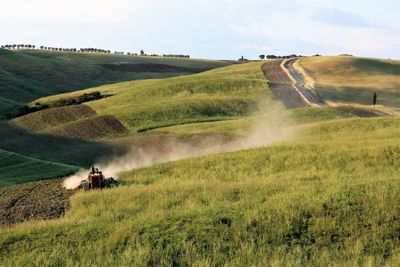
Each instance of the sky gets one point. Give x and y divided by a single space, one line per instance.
218 29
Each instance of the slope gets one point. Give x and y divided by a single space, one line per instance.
256 207
27 75
33 200
281 85
82 135
352 80
15 168
218 94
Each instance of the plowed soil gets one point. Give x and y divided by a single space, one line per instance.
41 200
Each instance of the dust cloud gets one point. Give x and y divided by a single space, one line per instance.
270 125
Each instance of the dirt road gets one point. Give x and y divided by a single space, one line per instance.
298 81
286 84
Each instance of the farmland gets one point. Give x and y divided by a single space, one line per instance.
281 85
217 209
28 75
352 80
224 174
33 201
16 168
213 95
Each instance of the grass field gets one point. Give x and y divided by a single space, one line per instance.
329 197
27 75
219 94
83 134
325 192
75 122
353 80
15 168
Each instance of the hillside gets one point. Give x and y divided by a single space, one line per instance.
339 206
214 106
282 187
32 201
214 95
281 85
15 168
75 122
27 75
81 135
353 80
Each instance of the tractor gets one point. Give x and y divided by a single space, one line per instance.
96 180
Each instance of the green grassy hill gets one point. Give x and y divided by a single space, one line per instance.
47 146
27 75
329 197
82 134
15 168
353 80
219 94
327 194
75 122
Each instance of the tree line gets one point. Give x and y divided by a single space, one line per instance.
279 57
84 50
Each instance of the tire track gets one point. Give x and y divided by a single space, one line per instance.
298 83
40 200
15 200
281 85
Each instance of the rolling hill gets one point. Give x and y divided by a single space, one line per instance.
213 95
83 134
338 206
323 191
15 168
80 135
353 80
28 75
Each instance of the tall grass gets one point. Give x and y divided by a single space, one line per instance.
27 75
222 93
353 80
15 168
329 198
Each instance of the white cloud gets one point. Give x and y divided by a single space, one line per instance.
298 26
202 27
72 11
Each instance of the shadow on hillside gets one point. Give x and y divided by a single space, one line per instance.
151 68
55 148
376 66
362 96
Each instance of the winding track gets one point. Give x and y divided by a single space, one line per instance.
287 85
298 83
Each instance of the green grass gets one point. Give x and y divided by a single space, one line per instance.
214 103
27 75
330 197
353 80
244 126
74 122
15 168
49 118
50 147
84 134
218 94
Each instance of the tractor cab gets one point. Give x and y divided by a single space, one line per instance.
96 180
